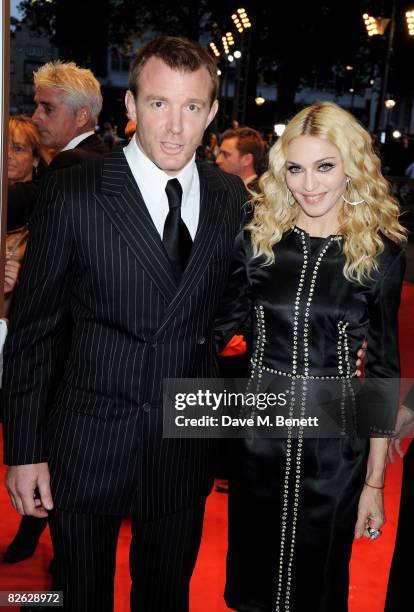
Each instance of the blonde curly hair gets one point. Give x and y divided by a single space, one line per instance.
362 226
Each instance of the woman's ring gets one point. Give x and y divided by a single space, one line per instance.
373 534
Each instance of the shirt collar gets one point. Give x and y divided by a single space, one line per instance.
75 141
249 179
142 166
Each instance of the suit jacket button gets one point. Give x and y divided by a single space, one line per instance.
146 407
201 340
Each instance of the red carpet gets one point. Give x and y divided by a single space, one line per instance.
370 560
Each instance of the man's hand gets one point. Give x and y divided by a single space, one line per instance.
360 363
29 489
404 428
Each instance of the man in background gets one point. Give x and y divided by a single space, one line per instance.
68 101
242 152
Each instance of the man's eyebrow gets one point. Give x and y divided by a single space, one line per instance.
155 97
165 99
196 101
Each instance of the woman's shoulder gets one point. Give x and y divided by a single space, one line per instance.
391 253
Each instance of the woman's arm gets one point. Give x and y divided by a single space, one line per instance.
383 361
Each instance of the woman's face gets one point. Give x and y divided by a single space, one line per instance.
315 175
21 160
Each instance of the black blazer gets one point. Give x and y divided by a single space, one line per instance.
87 149
96 266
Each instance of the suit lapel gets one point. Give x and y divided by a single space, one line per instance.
122 201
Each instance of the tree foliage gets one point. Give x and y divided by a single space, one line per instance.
293 43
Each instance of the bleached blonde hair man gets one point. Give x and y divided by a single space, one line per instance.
80 87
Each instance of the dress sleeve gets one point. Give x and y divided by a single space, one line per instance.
382 370
236 304
383 358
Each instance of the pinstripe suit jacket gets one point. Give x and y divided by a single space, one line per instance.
98 322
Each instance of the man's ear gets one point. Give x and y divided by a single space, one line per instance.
83 117
212 113
130 105
247 159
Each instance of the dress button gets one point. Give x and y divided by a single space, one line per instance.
146 407
201 340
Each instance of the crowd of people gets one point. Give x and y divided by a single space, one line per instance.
131 261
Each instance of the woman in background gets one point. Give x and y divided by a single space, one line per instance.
26 160
321 266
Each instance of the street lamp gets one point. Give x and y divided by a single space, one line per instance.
377 27
214 49
260 100
241 20
242 23
409 16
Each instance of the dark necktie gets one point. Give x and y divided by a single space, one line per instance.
176 237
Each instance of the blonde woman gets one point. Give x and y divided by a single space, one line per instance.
320 266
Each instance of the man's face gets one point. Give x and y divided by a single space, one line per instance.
172 110
229 158
56 121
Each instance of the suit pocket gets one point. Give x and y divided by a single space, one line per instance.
92 403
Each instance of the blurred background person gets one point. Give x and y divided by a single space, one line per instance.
27 160
243 152
212 148
68 102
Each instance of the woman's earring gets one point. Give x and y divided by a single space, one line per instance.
348 184
289 202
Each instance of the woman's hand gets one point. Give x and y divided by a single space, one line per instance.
404 428
370 511
11 274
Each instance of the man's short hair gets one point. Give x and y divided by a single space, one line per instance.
79 85
178 54
248 141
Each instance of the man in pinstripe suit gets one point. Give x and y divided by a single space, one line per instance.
100 265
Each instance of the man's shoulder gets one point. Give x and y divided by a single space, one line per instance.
88 149
92 166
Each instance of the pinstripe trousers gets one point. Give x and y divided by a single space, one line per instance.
162 557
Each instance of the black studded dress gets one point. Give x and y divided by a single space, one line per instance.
293 501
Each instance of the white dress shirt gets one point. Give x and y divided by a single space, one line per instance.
75 141
152 181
